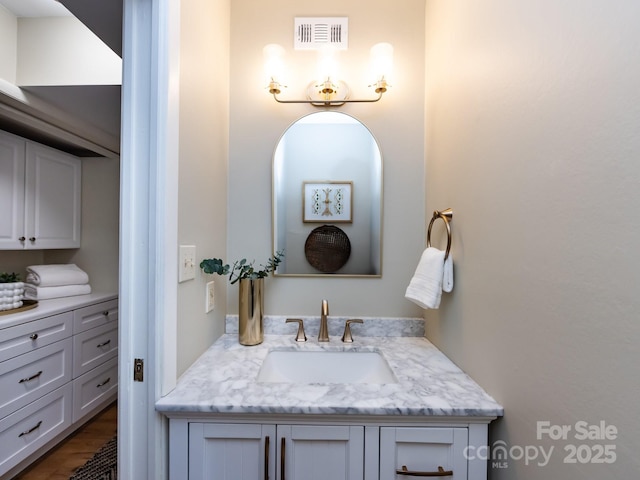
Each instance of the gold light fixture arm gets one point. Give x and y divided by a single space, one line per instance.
327 103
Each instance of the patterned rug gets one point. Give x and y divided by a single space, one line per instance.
102 466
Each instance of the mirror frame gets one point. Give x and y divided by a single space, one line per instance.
380 206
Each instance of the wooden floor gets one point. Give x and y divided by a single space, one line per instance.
63 460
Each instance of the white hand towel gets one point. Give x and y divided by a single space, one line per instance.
425 288
447 280
56 275
33 292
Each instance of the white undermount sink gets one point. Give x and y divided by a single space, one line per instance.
325 367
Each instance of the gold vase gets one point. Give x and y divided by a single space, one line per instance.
250 311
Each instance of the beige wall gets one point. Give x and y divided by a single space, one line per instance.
397 122
204 114
533 136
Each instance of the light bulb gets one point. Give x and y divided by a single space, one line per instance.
273 62
381 60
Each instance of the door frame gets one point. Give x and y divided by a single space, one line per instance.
148 232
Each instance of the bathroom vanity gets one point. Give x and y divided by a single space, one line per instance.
231 420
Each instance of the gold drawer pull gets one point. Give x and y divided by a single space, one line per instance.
37 425
440 473
32 377
103 344
33 336
102 384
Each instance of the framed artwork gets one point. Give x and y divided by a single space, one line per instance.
327 202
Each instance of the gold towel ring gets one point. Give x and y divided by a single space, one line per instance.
446 216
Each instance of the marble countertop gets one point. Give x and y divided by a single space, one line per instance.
224 380
46 308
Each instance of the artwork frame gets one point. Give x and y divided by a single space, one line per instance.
327 202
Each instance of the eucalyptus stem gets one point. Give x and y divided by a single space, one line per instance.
241 269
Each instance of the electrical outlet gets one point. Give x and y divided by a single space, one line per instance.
187 263
209 297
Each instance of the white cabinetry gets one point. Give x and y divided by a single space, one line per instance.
373 450
423 452
40 194
311 452
52 378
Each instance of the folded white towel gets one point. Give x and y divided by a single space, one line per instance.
56 275
425 288
447 279
33 292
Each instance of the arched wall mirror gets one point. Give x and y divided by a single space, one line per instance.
327 197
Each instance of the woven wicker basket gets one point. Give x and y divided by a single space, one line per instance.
327 248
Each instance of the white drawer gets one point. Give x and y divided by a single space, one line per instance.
95 388
94 347
30 428
95 315
25 378
28 336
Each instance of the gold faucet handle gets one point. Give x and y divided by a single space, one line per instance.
300 336
346 336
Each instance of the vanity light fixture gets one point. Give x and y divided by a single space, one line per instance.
328 92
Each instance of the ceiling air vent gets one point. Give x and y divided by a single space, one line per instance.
312 33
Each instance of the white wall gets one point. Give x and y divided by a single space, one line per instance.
397 122
533 136
62 51
204 131
99 252
8 45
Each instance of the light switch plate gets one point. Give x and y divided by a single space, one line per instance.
187 263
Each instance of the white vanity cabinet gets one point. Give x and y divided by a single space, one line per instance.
202 449
57 367
407 452
258 451
40 194
226 423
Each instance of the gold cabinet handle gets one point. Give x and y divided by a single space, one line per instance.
266 458
32 377
440 473
102 384
27 432
103 344
283 443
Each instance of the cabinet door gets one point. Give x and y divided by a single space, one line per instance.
52 200
320 452
417 450
11 191
231 452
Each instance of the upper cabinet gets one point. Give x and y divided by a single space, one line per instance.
40 193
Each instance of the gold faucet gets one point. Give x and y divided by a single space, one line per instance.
323 334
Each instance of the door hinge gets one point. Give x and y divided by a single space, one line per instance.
138 370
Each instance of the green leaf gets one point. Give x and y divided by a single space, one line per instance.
241 268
